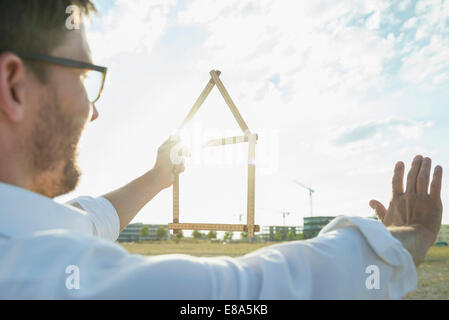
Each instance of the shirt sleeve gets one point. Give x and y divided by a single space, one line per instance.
337 264
102 214
351 258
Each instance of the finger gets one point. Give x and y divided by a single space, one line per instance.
164 146
179 169
180 163
398 179
435 186
422 183
378 208
174 137
182 150
169 143
186 151
413 174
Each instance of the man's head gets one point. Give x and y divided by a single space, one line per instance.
43 107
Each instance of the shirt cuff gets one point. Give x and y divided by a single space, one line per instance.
389 249
102 214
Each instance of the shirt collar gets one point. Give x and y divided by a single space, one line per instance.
23 213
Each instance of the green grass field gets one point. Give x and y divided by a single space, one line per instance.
433 273
433 276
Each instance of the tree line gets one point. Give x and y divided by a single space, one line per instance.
161 234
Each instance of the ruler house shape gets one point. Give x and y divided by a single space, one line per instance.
248 137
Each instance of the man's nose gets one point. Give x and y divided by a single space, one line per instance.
95 113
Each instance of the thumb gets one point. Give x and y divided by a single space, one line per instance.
378 208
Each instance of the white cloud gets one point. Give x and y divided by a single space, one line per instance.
307 68
309 44
378 131
403 5
410 23
439 79
129 27
373 22
427 63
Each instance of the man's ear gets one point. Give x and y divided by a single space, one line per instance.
12 86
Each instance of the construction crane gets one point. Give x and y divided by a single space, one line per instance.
271 210
284 214
311 191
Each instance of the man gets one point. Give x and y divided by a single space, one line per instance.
50 250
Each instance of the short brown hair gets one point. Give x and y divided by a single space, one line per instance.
36 26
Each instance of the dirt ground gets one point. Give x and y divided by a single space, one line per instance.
433 273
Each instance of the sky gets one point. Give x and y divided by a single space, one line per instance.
338 91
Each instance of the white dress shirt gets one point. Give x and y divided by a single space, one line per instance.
50 250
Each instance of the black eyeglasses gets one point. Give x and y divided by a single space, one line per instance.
93 79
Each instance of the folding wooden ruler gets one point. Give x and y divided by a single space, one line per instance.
249 227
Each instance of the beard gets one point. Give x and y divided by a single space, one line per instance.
54 144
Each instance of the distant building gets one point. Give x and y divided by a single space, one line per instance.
443 235
313 225
269 232
131 232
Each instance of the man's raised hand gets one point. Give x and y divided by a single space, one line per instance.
415 207
170 161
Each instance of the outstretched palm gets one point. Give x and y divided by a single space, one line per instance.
415 206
